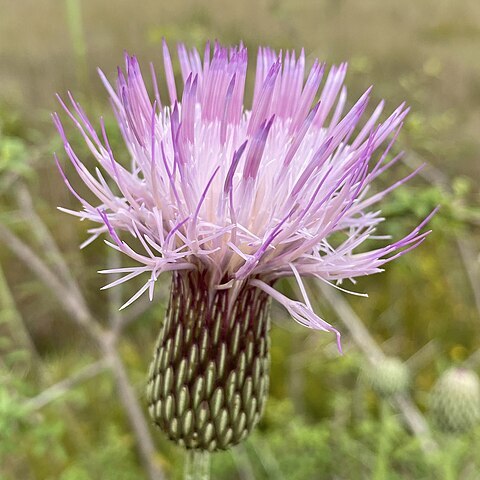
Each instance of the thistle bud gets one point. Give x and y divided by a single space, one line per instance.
455 400
389 377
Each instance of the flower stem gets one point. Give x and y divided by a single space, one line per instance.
197 465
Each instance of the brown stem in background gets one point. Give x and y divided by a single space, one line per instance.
75 305
53 392
77 310
43 236
134 412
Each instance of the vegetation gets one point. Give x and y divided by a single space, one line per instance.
65 410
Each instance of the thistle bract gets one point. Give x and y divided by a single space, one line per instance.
208 380
230 199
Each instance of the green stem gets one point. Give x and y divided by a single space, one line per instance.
197 465
75 25
384 444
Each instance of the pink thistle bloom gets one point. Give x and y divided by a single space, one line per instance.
243 196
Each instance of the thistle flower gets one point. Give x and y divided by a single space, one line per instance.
231 199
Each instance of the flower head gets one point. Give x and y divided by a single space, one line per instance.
245 196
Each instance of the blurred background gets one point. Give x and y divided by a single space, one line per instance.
404 400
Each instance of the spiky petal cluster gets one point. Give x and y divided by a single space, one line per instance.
245 195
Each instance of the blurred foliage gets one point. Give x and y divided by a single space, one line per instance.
13 148
322 420
13 154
